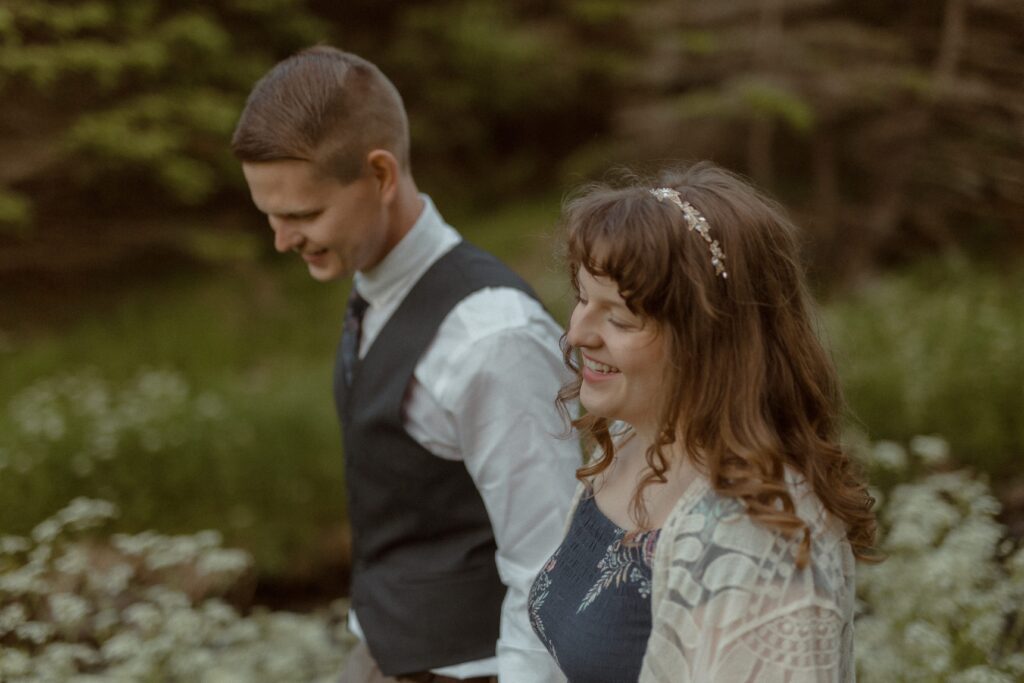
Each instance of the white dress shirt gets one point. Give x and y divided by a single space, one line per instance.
483 392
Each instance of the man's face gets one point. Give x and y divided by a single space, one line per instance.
336 228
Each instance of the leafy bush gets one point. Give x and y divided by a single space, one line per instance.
937 349
948 602
153 440
106 97
147 607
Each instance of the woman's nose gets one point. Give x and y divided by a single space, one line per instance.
580 332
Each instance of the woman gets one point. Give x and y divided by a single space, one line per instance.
715 533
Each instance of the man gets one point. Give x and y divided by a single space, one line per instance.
445 379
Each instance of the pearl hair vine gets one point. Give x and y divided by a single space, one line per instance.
697 223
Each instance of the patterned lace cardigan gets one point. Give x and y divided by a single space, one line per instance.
730 605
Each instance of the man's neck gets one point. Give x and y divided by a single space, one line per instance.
407 207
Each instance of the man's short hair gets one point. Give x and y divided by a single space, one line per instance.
325 106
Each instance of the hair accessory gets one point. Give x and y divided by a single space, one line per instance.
696 221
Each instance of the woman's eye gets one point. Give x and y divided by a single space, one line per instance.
619 324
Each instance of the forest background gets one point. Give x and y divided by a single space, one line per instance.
156 353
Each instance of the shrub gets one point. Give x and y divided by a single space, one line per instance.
937 350
948 602
145 607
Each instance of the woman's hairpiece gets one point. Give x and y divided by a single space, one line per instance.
696 222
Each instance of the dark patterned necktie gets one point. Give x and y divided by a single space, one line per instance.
351 333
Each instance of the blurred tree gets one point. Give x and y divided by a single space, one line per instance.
887 127
498 92
127 105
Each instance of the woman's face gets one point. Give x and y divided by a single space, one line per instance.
623 356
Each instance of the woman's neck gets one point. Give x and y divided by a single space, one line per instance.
617 486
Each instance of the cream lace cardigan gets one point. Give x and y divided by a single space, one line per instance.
729 604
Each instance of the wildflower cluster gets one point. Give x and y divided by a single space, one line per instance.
948 602
144 607
88 420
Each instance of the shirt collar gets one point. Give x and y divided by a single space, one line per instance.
428 239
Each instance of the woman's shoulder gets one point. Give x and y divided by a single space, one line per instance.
720 523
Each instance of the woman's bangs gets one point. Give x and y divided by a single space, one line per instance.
616 240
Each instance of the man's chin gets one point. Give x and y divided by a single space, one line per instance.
326 273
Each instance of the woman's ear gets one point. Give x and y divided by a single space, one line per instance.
385 170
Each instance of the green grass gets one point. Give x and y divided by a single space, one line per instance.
933 350
267 470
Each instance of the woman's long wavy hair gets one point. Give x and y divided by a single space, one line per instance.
748 389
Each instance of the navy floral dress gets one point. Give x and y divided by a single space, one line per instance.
591 603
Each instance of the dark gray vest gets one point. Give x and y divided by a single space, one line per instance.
424 582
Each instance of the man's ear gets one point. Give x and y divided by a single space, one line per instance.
384 169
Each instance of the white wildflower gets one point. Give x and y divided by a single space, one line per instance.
41 554
14 663
84 513
889 455
218 613
68 609
143 616
985 629
241 631
75 652
928 645
111 581
184 626
46 531
35 632
73 561
208 538
26 580
139 544
167 598
11 617
932 450
982 674
223 561
122 647
106 621
1015 663
171 552
12 545
189 664
224 675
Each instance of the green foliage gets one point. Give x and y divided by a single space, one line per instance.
207 401
15 211
500 92
937 350
78 605
228 421
745 100
142 92
244 429
770 100
946 604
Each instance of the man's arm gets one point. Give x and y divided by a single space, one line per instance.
501 401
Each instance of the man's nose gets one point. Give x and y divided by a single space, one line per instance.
285 238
